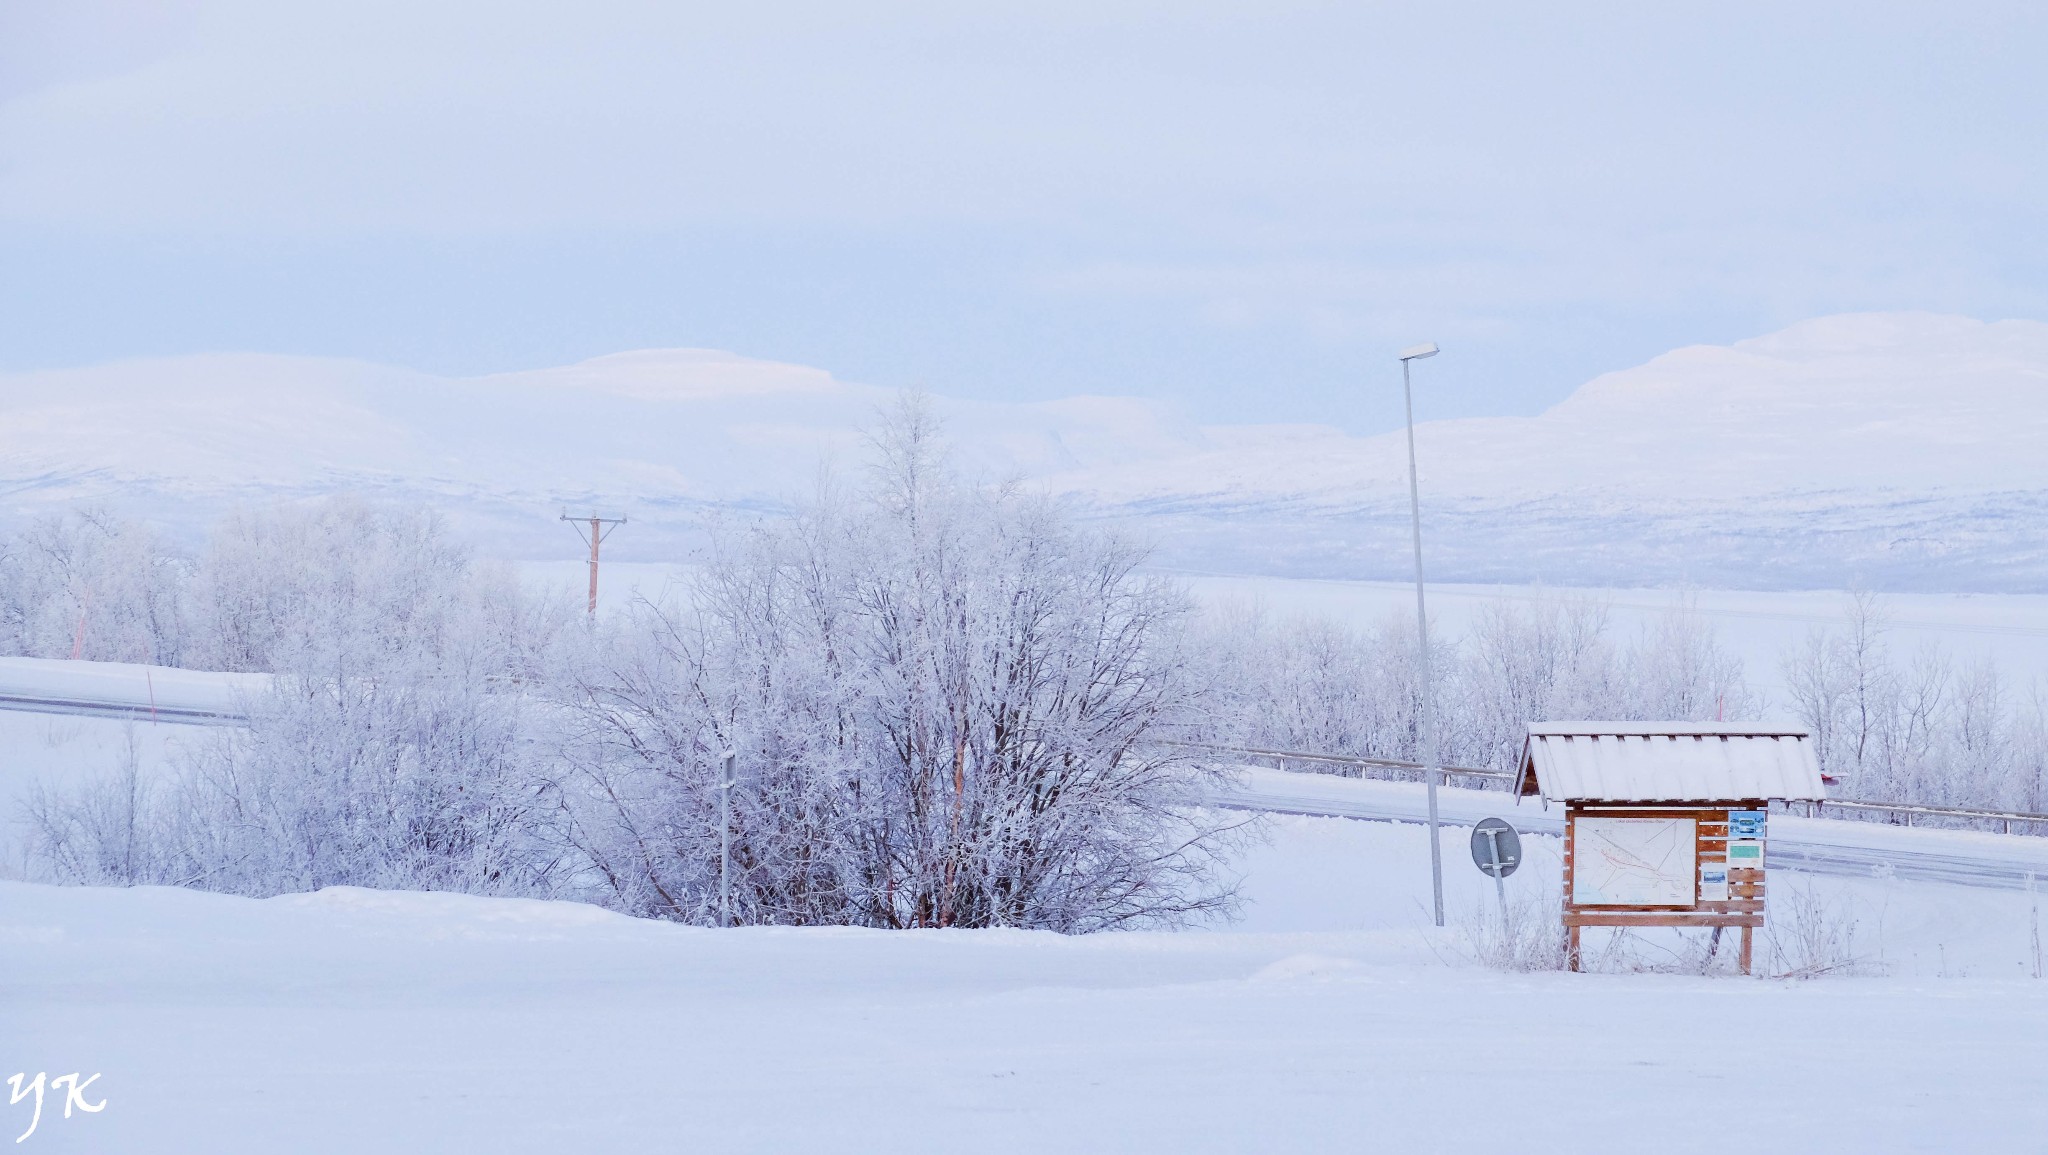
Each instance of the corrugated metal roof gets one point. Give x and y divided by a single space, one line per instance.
1666 762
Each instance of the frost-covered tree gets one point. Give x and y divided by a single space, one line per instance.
1307 683
1315 685
1543 661
340 579
393 748
1916 728
92 585
939 697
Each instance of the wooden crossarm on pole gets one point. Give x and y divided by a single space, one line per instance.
600 528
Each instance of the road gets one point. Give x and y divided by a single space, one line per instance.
122 690
140 712
1821 846
1817 846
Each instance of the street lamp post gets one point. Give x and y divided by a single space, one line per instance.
1431 768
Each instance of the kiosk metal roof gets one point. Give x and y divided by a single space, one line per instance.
1666 762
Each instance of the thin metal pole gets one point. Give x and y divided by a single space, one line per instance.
1500 889
1430 770
725 839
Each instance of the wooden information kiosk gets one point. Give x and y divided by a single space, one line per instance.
1665 822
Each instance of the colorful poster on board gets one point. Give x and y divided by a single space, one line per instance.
1745 854
1746 823
1713 882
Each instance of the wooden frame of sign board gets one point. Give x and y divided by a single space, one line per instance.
1648 812
1743 908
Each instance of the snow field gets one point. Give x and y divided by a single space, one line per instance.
1331 1016
57 750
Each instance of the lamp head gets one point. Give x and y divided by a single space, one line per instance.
1418 352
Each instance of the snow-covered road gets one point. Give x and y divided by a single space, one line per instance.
1817 846
124 690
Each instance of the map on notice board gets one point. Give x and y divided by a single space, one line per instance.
1633 861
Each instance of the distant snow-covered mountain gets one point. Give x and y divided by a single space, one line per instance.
1902 450
1899 450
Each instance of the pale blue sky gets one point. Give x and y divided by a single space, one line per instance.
1245 209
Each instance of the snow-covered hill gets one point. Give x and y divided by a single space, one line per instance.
667 436
1901 450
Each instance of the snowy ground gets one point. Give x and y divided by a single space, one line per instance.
1330 1017
57 750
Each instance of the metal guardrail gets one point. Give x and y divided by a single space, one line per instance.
2006 819
134 711
1900 813
1500 778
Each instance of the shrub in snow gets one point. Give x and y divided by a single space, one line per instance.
391 751
92 585
1809 933
1320 686
103 832
293 587
1529 938
1917 729
939 696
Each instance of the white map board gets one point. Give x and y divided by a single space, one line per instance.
1633 861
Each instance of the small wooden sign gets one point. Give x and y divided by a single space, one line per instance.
1663 865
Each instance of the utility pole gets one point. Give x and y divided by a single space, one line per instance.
600 528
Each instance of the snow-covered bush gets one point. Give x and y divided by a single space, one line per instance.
1315 685
938 695
1308 683
392 750
277 589
1917 729
1811 932
399 773
103 831
1529 938
91 585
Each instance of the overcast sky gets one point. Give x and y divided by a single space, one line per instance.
1243 208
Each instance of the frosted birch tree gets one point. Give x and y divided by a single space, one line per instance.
939 696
